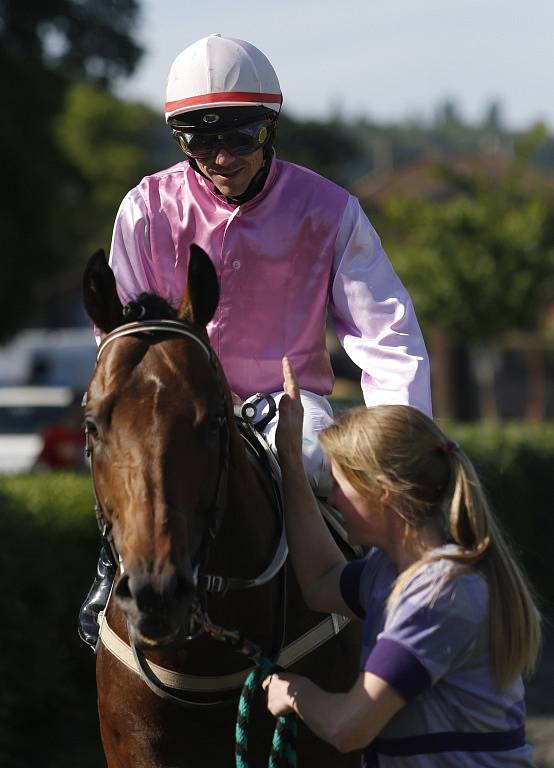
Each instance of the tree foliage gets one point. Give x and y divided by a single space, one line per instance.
480 263
111 144
332 149
45 47
88 39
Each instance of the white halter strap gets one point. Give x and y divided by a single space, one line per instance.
147 327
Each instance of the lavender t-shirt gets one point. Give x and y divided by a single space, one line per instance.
433 648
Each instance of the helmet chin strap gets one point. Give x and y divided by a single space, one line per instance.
255 185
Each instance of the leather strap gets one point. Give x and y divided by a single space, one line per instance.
290 654
148 327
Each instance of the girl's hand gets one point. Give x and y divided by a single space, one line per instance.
288 437
281 690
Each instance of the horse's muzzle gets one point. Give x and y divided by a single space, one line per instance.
158 610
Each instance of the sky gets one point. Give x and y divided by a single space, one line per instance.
382 59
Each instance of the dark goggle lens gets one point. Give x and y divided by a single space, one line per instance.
239 141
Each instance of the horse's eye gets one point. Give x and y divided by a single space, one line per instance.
91 428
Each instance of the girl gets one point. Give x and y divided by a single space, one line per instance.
449 621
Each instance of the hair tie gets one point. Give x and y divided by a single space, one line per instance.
449 446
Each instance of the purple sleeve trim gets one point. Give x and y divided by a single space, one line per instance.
451 741
399 668
350 586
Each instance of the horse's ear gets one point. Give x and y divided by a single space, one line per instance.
100 294
201 295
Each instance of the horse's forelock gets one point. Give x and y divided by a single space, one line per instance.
148 306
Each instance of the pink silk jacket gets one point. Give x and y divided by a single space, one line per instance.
302 244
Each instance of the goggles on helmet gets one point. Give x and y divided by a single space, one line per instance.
238 141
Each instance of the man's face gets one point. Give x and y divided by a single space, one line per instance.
231 174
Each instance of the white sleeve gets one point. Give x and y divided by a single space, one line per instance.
374 317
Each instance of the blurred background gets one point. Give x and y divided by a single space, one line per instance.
438 115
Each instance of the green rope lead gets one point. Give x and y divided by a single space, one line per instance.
283 747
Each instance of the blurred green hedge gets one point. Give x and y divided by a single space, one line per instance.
47 561
515 462
48 557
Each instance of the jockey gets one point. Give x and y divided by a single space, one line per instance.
287 245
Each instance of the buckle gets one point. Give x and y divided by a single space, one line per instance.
216 585
249 411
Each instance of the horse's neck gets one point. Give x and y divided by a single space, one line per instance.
249 527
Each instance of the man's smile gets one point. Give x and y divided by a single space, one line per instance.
225 173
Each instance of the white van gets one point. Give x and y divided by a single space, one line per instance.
49 357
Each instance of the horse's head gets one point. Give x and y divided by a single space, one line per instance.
157 417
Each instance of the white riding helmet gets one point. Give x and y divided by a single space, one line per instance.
220 71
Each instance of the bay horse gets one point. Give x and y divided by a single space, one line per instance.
180 497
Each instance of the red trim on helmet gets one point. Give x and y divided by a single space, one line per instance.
210 98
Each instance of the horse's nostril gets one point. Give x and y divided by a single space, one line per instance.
122 590
153 603
183 588
150 601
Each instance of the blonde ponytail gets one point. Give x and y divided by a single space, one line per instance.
514 620
399 448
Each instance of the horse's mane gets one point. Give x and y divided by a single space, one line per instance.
148 306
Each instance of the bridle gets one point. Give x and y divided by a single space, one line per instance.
163 681
205 583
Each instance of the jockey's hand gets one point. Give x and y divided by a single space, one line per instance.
288 437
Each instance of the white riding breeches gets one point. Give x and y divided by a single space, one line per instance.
318 414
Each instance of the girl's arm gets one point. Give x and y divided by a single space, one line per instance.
316 559
348 721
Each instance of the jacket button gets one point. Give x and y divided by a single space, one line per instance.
236 264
